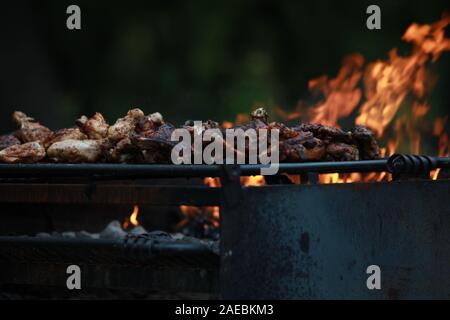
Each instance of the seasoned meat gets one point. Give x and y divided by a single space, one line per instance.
260 114
285 131
339 151
30 130
195 130
302 148
7 141
30 152
326 133
67 134
156 144
95 128
153 137
78 151
148 124
126 152
367 144
137 138
124 126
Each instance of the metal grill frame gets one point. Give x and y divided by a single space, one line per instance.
95 183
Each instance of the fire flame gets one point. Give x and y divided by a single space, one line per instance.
132 220
213 213
389 97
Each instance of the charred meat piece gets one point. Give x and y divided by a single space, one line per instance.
260 114
126 152
30 152
285 131
148 124
209 124
302 148
367 144
155 143
78 151
194 129
30 130
95 128
124 126
153 137
162 133
67 134
7 141
259 120
326 133
339 151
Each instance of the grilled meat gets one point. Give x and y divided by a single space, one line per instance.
285 131
339 151
156 144
126 152
7 141
149 124
30 130
124 126
153 137
30 152
367 144
326 133
136 138
78 151
304 147
259 120
67 134
95 128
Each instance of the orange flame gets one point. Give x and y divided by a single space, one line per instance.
387 96
341 93
133 219
214 212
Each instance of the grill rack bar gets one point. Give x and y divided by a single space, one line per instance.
91 251
139 171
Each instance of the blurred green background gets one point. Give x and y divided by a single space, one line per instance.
189 59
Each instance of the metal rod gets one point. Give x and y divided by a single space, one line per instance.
172 247
188 171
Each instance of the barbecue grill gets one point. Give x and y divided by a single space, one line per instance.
277 241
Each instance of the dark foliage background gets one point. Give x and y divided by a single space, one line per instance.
188 59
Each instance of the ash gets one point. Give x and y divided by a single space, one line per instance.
114 231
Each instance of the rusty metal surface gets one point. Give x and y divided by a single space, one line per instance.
316 241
